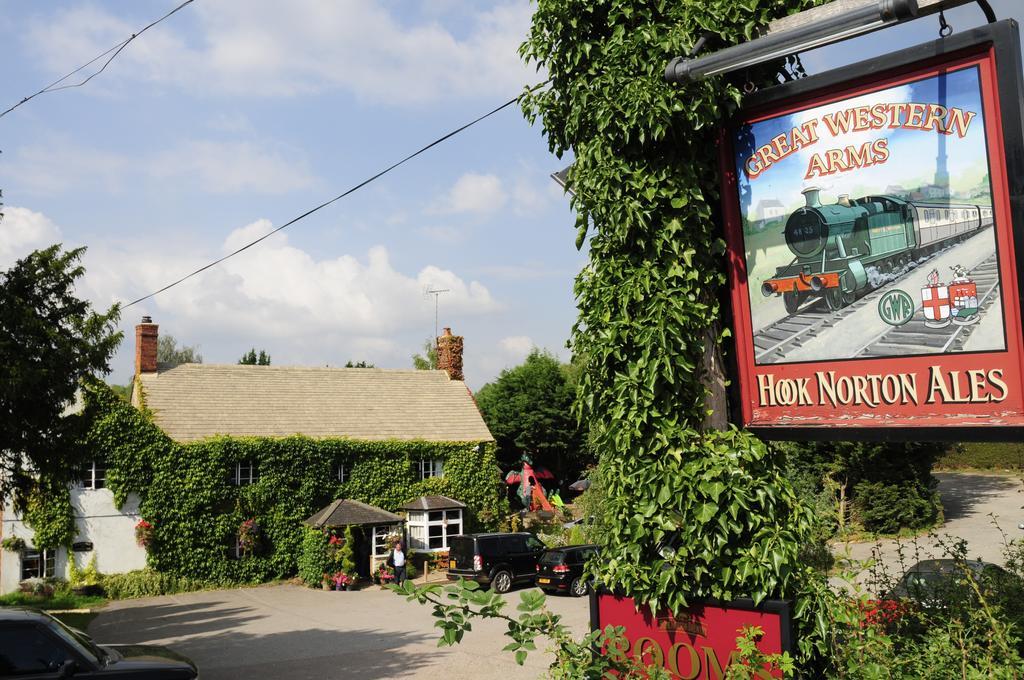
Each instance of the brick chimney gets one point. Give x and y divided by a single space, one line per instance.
145 346
449 354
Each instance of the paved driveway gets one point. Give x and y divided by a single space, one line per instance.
979 507
299 633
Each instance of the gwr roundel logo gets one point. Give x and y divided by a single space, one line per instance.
896 307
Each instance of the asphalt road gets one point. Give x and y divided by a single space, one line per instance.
298 633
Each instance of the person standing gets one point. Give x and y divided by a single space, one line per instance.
396 560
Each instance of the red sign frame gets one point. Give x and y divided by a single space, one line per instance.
696 643
968 395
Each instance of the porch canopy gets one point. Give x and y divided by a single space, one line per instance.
374 528
346 512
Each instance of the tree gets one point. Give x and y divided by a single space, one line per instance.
529 411
359 364
50 341
250 358
428 360
646 192
168 352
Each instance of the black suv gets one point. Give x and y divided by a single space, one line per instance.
34 644
498 560
561 569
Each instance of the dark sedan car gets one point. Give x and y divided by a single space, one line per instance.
36 645
560 570
926 581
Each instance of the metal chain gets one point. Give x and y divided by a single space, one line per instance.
945 30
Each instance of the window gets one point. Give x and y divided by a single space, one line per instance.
95 476
246 473
29 650
431 468
380 540
37 563
340 473
434 529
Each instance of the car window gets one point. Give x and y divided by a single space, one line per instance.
492 547
552 557
533 543
77 640
28 650
513 544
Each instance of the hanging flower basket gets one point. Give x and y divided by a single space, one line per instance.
248 535
144 534
13 544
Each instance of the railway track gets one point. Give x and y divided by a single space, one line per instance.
915 337
779 339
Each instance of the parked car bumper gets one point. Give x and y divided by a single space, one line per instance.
479 576
553 582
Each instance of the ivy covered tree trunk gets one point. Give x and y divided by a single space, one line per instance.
694 509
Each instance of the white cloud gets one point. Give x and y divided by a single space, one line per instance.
475 194
441 233
517 346
22 231
233 167
259 47
57 165
278 291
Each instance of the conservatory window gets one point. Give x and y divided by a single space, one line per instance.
432 530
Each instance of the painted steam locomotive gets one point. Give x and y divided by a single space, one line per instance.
841 249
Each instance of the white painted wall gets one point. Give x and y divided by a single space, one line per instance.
111 531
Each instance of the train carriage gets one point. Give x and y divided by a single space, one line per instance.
843 248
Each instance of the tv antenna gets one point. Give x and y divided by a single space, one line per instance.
436 292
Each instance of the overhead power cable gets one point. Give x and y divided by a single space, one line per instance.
340 196
115 50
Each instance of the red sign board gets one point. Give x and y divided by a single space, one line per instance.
875 230
697 643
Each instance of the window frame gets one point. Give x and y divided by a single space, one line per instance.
431 467
420 524
46 560
89 479
253 476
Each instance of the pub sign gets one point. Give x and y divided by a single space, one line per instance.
695 643
874 230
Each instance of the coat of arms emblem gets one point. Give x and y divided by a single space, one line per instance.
964 293
954 303
935 302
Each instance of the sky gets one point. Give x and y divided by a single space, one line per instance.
911 161
234 116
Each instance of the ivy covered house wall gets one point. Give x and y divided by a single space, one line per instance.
204 448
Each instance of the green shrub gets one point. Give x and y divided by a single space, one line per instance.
984 456
348 553
90 576
150 583
62 599
314 561
886 508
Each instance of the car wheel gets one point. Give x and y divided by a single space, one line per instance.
578 588
502 582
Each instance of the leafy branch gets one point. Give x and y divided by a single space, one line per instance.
455 605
